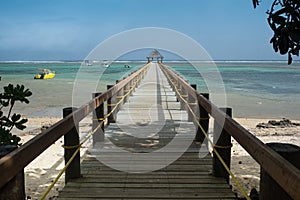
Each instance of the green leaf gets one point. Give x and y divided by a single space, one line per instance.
9 97
280 12
20 126
4 103
255 3
290 59
6 138
15 117
9 89
278 19
283 44
23 121
6 122
295 35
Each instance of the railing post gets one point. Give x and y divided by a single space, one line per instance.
178 85
119 96
223 145
138 79
131 83
184 96
192 103
71 139
269 189
126 89
110 106
203 121
98 115
15 188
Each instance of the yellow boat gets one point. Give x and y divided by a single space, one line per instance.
45 74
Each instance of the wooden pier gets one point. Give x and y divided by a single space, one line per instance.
146 150
147 123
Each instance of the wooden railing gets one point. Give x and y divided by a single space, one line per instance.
282 171
17 160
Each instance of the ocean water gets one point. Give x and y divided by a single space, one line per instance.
253 89
50 96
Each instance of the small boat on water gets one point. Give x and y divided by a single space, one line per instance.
126 66
45 74
88 62
105 64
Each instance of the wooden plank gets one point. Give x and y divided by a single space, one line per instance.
146 193
149 179
189 177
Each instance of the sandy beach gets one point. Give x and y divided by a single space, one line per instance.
245 167
42 171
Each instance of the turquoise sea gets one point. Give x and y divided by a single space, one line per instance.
260 89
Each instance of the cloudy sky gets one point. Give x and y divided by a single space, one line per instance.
70 29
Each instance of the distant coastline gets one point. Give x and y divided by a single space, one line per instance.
144 61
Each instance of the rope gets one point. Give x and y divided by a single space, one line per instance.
100 119
71 147
79 146
240 187
60 173
223 147
203 118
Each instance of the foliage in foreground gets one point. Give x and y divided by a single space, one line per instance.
8 119
284 20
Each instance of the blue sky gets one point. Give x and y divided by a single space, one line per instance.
70 29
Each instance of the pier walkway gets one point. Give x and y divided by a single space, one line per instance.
148 153
146 150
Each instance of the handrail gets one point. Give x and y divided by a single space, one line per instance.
16 160
282 171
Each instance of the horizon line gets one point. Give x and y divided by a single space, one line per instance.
139 60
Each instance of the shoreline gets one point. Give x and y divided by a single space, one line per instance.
42 171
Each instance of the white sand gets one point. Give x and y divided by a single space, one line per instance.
244 166
42 171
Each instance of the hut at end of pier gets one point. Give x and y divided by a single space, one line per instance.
155 55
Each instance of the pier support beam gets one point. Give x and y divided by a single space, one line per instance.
193 104
71 141
98 115
184 95
119 96
203 120
110 106
223 146
15 188
269 189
